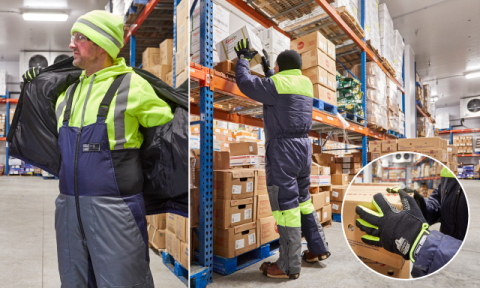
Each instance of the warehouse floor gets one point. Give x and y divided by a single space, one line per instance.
343 270
28 253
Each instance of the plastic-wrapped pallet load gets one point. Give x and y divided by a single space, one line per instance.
225 48
387 40
427 95
401 123
349 96
442 120
398 56
372 27
351 6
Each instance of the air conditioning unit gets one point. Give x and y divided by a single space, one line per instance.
402 158
470 107
29 59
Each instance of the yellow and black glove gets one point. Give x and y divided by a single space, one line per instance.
243 50
31 73
397 231
419 199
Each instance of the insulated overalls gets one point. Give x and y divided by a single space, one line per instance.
102 236
287 99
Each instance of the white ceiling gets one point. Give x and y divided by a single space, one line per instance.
17 35
445 34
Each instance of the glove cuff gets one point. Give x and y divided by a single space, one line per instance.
418 244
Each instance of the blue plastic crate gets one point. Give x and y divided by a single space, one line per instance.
175 267
337 217
198 276
320 105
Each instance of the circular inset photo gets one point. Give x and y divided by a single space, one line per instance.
409 216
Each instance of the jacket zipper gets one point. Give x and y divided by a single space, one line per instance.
455 212
75 169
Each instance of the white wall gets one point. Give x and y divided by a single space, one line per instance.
13 81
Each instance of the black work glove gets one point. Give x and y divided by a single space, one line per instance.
31 73
243 50
396 231
418 198
265 63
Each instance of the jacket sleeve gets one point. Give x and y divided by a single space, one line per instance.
151 110
254 87
433 204
437 250
270 73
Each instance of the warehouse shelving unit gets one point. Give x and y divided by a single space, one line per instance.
8 101
209 87
418 109
460 131
423 179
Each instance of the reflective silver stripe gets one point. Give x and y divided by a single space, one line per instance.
119 116
101 31
62 105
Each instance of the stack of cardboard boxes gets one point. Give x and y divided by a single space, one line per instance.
424 127
393 113
221 26
434 147
159 61
170 232
320 187
182 56
379 259
452 158
464 144
318 64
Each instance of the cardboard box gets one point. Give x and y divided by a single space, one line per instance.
348 159
233 184
337 207
183 12
389 146
181 61
234 241
169 242
150 57
169 78
166 52
326 213
332 82
159 221
338 193
184 252
274 42
177 246
261 182
323 158
438 154
243 148
331 49
316 57
323 93
317 75
326 195
231 213
417 144
401 273
317 149
171 224
182 77
376 155
158 239
225 48
161 71
221 160
357 196
320 179
262 206
180 228
318 200
309 42
340 179
247 160
267 230
319 170
218 35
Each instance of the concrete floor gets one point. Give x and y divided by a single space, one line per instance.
342 269
28 253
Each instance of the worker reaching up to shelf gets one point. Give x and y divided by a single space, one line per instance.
287 98
406 232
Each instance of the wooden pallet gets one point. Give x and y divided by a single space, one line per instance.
387 66
275 7
228 67
327 224
375 51
228 105
351 22
375 127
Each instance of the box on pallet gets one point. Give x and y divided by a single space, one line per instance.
309 42
236 240
230 213
317 57
226 51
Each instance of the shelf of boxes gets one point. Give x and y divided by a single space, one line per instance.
426 178
215 95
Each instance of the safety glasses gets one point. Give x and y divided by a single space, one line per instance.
78 38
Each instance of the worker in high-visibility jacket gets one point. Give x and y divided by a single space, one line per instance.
287 98
102 238
406 232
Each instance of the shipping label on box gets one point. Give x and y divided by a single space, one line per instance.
309 42
233 184
230 213
338 193
327 197
326 213
337 207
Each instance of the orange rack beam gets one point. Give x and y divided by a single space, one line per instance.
426 178
423 114
142 17
4 100
3 138
474 130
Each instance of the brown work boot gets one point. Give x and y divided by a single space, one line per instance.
309 257
272 270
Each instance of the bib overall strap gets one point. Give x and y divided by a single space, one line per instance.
104 106
66 115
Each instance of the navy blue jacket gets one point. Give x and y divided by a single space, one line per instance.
447 205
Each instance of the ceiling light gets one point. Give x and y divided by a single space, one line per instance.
472 75
45 16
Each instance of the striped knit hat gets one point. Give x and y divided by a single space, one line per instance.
103 28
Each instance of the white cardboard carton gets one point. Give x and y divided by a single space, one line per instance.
226 51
